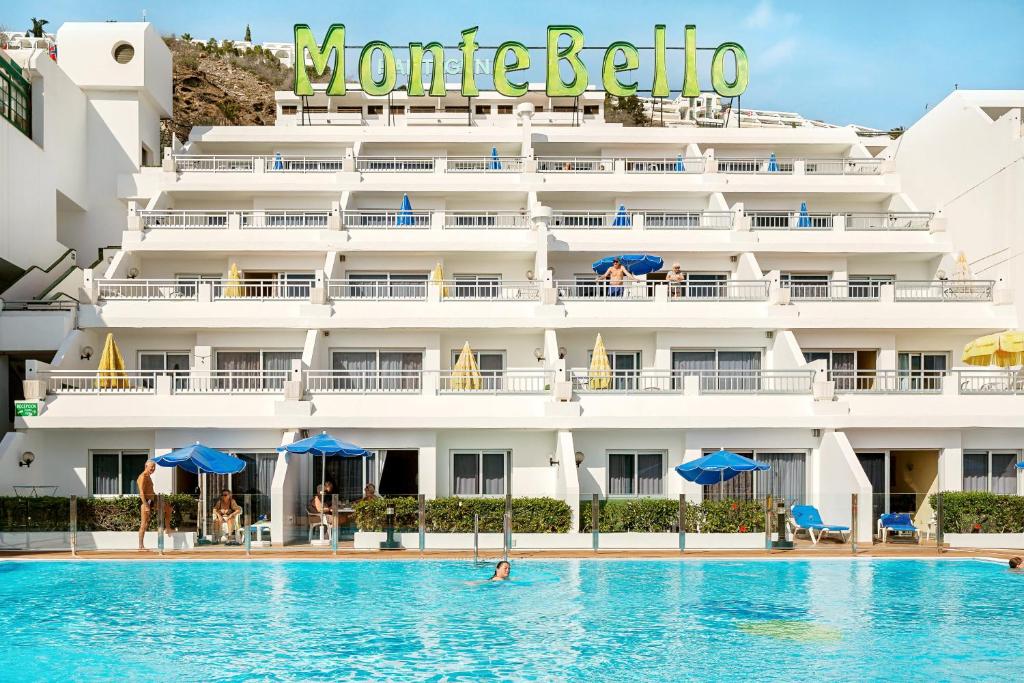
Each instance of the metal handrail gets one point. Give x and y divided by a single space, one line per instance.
790 220
834 290
591 220
664 165
364 382
386 219
944 290
887 381
227 289
582 290
505 290
842 166
285 218
988 382
509 381
725 290
186 219
230 382
377 290
147 290
384 164
215 163
893 220
754 165
586 381
484 164
290 163
574 164
96 381
688 220
755 381
483 220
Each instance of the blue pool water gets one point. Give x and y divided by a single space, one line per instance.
584 620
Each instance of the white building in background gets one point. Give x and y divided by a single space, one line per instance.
823 342
707 110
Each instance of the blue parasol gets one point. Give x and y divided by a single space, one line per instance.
773 163
405 216
805 219
636 264
719 467
495 163
680 166
622 219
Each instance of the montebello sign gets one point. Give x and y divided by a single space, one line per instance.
566 73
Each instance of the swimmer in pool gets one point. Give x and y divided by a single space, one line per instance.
501 571
1015 564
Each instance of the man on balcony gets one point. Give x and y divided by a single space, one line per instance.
616 276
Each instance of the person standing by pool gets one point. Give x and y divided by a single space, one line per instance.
147 495
616 276
501 571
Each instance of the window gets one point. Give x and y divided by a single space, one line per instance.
700 285
477 286
564 109
124 53
718 369
786 479
254 370
114 473
868 286
479 473
422 110
374 109
625 366
492 367
173 363
991 471
921 371
504 108
315 109
483 109
350 110
349 475
590 110
387 286
457 110
635 473
289 109
397 111
377 370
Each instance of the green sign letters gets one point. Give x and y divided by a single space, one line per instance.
566 73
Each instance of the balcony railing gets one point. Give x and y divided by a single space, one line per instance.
215 163
454 290
377 290
147 290
834 290
664 165
725 290
386 219
944 290
755 165
787 220
184 219
395 164
485 220
998 382
575 165
708 381
887 381
591 220
906 220
581 290
96 382
302 164
484 164
285 218
842 166
230 382
688 220
511 381
262 290
364 382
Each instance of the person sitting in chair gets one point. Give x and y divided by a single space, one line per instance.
225 515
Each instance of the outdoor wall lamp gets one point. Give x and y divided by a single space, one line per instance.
133 273
538 353
529 275
579 458
552 461
26 459
86 353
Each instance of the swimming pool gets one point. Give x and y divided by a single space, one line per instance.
586 620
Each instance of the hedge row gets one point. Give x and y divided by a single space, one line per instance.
53 513
455 515
966 512
654 515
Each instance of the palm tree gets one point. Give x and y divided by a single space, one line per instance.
37 27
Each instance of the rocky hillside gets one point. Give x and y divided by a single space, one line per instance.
216 84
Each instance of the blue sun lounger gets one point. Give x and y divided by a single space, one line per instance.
807 518
897 522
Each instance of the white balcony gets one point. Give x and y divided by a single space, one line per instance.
650 219
842 220
944 290
485 220
246 289
510 381
376 290
386 219
646 381
455 290
887 381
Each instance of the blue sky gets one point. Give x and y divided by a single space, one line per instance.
878 63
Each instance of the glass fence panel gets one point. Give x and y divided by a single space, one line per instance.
35 522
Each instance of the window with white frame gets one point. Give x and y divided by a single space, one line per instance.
480 473
992 471
251 370
722 369
635 473
786 478
349 475
113 472
491 365
377 370
477 286
625 367
173 363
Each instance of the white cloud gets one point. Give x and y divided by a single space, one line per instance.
765 16
777 54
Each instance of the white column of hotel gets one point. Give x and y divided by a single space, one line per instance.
428 462
951 463
835 474
284 492
567 481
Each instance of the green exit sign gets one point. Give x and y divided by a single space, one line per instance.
26 409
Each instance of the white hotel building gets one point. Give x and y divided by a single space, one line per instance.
827 344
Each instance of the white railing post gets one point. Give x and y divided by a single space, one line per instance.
259 164
235 220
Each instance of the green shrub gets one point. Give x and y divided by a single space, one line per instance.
661 515
455 515
965 512
122 513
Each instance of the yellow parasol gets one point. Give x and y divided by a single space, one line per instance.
234 287
110 374
466 373
437 277
1005 349
600 369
